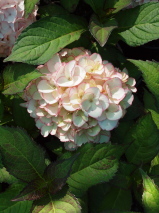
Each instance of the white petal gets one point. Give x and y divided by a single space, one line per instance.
54 63
95 111
115 115
107 124
44 87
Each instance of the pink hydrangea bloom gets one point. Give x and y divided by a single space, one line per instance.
79 98
135 3
12 22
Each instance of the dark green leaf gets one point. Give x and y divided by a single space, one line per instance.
69 5
51 10
6 177
97 6
17 76
95 164
114 200
7 206
144 139
150 74
40 41
150 195
21 156
1 109
142 27
22 117
29 6
116 4
102 30
54 179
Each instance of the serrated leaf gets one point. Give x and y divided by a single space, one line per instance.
95 164
142 27
29 6
68 204
150 195
117 4
41 40
54 179
149 100
8 206
6 177
69 5
154 169
150 71
102 30
51 10
17 76
144 139
114 200
21 156
97 6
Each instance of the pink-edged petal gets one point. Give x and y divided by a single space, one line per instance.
86 105
94 131
36 96
131 82
115 115
104 137
127 101
96 57
44 87
107 124
118 93
49 98
52 109
40 112
53 129
104 101
70 146
69 69
95 111
54 63
45 130
114 82
79 118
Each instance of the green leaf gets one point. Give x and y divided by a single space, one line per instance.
150 195
29 6
17 76
8 206
102 30
51 10
150 71
95 164
54 179
97 6
6 177
144 140
114 200
149 101
22 117
117 4
68 204
69 5
1 109
20 155
142 26
41 40
154 169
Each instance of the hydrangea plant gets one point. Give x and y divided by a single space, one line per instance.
79 106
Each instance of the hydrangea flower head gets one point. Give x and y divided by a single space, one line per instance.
12 22
79 98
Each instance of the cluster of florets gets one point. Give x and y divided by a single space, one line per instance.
79 98
135 3
12 22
